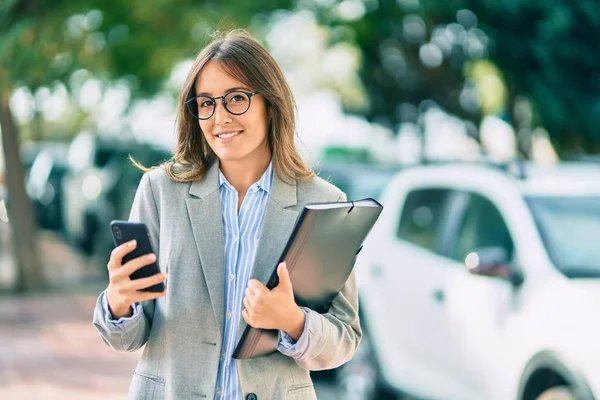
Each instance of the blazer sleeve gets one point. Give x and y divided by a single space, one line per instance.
330 340
134 334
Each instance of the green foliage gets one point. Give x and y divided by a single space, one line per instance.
549 52
390 36
46 41
546 52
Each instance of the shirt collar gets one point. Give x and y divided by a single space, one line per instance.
265 182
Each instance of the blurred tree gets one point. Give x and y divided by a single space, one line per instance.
549 53
410 59
46 41
416 50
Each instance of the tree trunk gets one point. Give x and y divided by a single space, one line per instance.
20 212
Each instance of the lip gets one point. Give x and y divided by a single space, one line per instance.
229 139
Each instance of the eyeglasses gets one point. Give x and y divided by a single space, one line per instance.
236 103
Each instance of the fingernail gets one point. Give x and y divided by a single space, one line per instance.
132 243
151 257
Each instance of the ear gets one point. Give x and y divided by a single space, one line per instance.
269 111
269 107
272 111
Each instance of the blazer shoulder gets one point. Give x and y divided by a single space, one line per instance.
157 177
318 189
160 183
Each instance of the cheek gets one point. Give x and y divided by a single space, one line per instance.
259 123
206 128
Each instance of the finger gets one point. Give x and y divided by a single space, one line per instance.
116 256
284 276
257 288
255 284
247 303
143 283
246 316
135 264
251 293
145 296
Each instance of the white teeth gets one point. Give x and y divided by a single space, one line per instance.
228 135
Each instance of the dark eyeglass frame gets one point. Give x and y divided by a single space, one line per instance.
191 103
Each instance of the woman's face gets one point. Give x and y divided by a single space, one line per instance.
249 140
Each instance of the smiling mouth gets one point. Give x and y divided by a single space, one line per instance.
228 135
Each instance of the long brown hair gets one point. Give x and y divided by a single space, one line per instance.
245 59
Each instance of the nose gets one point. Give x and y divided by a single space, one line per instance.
222 116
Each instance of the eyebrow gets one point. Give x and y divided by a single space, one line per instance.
233 89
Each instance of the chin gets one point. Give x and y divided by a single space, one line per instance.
228 155
239 154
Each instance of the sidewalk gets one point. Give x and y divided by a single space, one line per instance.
49 348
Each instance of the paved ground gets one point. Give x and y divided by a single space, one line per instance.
48 346
49 350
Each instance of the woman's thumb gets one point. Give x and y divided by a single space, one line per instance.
284 275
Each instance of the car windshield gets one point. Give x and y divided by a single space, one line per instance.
570 229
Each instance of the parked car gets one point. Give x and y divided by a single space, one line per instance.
100 186
44 185
476 284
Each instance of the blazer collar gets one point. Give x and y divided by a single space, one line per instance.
208 184
282 192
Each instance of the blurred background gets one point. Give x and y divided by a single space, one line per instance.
417 103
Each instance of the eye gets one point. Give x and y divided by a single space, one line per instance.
206 103
236 98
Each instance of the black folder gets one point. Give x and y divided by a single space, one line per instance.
320 256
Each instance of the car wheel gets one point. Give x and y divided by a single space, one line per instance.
557 393
359 378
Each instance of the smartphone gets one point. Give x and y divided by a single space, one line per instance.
124 231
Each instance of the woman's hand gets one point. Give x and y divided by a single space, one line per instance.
274 309
122 292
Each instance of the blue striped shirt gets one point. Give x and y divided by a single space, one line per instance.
241 233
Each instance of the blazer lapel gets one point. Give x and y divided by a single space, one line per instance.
207 225
277 228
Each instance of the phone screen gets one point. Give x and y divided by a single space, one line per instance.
123 232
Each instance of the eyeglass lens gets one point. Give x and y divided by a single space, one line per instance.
235 102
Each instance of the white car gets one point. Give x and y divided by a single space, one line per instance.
479 284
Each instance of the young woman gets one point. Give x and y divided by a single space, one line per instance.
219 216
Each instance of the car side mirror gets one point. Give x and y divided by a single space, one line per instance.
493 262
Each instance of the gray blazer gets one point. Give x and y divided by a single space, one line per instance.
183 331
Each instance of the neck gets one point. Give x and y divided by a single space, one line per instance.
242 174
